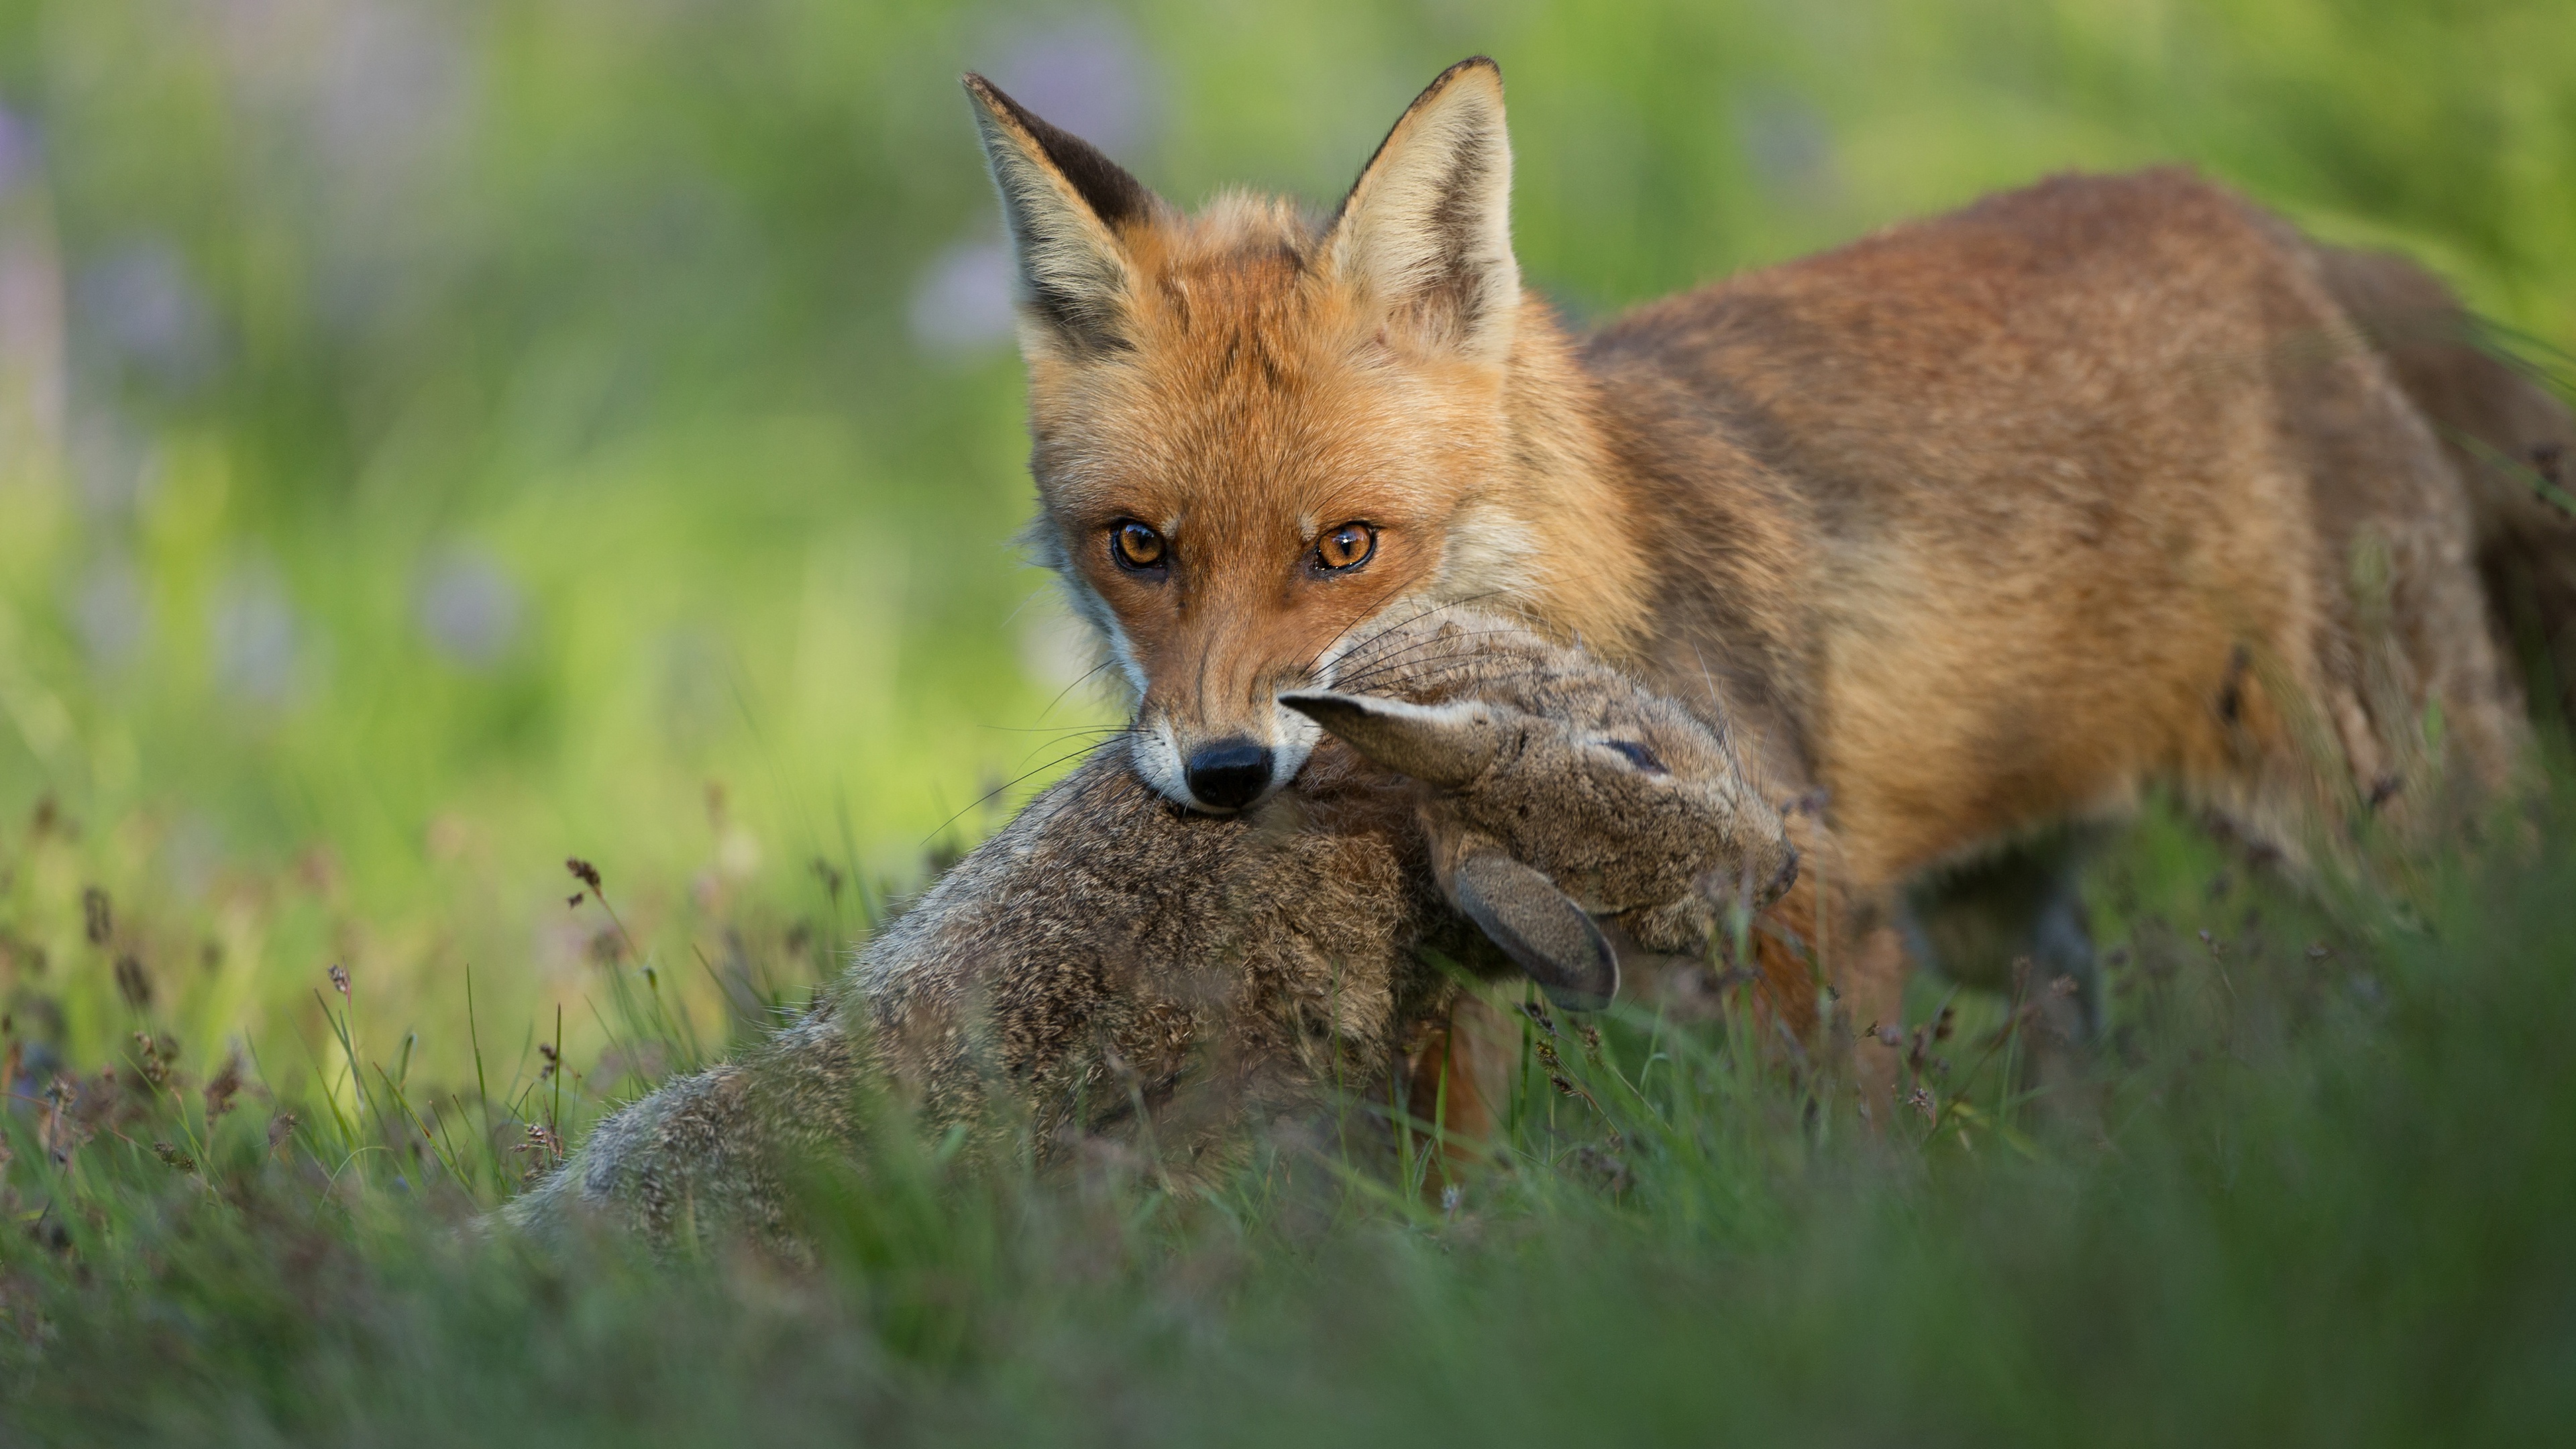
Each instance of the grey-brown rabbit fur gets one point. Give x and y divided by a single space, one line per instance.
1109 964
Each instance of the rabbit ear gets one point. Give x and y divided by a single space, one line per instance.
1446 745
1540 927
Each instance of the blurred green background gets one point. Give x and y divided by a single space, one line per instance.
440 438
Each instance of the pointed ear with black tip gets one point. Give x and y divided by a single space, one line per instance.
1065 204
1540 927
1447 745
1426 232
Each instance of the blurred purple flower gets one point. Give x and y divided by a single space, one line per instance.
1088 76
17 151
468 607
391 88
963 301
110 613
136 308
253 630
32 389
367 104
375 83
111 468
1790 146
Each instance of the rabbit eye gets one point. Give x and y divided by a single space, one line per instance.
1638 755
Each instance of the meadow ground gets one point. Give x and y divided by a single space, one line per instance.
438 440
2317 1190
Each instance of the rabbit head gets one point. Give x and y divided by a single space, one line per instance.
1571 794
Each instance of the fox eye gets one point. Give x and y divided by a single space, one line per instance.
1639 756
1345 548
1136 547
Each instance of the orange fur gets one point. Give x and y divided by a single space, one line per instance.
1978 525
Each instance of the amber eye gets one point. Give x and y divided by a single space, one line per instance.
1135 547
1346 547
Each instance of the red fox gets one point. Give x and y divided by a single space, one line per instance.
1975 528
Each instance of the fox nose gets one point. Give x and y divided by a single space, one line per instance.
1229 774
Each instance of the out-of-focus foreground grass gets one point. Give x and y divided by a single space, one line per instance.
2314 1191
439 439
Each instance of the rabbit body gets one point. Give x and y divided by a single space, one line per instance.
1110 965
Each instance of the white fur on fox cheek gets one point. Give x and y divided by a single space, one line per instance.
1491 556
1157 757
1095 611
1125 654
1297 736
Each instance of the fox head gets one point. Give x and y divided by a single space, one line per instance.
1257 429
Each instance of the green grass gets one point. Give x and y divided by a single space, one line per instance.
2316 1192
317 320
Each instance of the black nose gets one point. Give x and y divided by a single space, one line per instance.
1229 774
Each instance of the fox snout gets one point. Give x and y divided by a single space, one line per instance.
1210 733
1216 775
1220 766
1229 773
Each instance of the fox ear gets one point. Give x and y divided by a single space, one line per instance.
1426 232
1540 927
1065 203
1446 745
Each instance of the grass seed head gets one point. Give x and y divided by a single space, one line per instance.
133 982
96 918
226 1084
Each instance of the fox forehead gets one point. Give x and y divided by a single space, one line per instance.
1251 393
